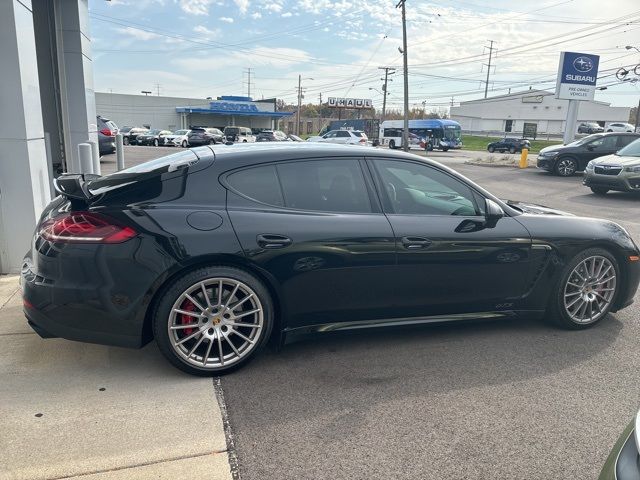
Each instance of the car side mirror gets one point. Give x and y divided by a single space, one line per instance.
590 148
493 213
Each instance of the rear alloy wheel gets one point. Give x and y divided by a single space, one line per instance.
155 142
491 149
512 150
213 320
125 141
566 167
587 290
184 144
392 144
599 190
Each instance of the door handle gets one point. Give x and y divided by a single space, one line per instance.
414 243
270 240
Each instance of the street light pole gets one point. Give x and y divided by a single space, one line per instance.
405 130
299 104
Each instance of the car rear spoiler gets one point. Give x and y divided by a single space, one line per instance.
75 186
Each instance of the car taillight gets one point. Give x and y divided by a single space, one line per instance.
362 140
107 132
85 227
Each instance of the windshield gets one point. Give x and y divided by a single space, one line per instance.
181 132
585 140
631 150
231 131
358 134
153 132
452 132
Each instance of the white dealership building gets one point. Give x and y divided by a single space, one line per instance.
509 113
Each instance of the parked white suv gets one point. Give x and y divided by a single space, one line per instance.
619 127
343 137
177 139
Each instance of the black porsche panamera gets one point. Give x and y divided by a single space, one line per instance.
214 250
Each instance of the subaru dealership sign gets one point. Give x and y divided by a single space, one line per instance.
577 75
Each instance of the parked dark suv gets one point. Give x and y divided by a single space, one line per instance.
565 160
204 136
590 127
106 135
511 145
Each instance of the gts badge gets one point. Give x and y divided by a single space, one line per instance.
504 305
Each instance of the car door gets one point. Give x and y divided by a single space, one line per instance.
315 226
604 145
449 259
342 137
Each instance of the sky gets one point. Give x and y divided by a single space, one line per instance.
204 48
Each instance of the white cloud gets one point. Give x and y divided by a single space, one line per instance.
243 5
138 34
275 6
206 32
287 15
196 7
256 15
226 19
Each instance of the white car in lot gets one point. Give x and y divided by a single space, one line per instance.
343 137
177 139
619 127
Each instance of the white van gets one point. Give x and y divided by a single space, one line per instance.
239 134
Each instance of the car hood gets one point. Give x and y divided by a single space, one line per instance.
553 148
617 160
535 209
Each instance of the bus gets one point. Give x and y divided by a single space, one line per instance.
423 134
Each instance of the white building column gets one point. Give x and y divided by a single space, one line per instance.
75 65
24 176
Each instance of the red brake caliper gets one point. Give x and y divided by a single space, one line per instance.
187 319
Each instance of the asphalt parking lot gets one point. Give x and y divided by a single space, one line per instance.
487 400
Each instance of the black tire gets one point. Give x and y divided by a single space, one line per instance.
566 166
184 144
392 144
609 130
155 142
556 310
161 315
512 150
599 190
125 141
491 149
212 142
445 149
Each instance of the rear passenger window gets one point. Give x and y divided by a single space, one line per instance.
259 183
325 185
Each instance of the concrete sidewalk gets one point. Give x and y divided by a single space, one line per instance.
73 410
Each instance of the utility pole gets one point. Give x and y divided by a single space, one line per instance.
405 130
299 104
637 125
387 71
248 82
157 85
452 101
424 108
320 97
486 85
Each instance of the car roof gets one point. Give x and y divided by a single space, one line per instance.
265 152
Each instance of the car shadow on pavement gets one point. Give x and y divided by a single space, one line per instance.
395 363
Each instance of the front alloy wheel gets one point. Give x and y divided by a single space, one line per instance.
566 167
587 289
219 319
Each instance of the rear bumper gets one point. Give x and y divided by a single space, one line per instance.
89 293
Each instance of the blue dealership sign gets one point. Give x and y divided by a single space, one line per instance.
577 76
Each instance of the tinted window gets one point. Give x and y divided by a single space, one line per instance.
633 148
343 134
423 190
259 183
605 143
624 140
324 185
